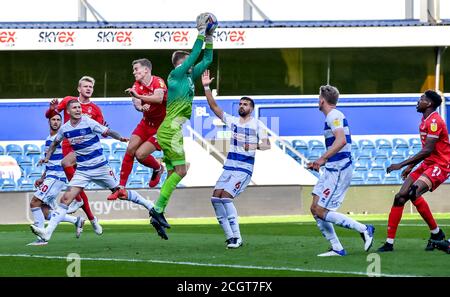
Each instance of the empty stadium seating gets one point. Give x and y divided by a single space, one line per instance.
370 158
28 156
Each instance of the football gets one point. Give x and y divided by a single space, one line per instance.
211 23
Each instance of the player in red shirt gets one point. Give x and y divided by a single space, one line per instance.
149 94
85 89
433 171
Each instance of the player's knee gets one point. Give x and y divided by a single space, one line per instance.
35 202
181 171
400 199
412 192
139 156
314 209
217 193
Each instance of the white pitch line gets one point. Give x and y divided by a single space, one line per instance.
208 265
379 224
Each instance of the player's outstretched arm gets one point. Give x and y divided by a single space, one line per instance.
206 81
426 151
207 59
51 150
116 135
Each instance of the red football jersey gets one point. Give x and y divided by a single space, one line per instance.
89 109
434 126
155 115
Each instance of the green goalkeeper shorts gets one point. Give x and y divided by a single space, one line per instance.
170 139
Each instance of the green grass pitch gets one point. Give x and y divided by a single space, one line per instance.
273 246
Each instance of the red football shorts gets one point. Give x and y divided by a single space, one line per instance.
436 174
147 133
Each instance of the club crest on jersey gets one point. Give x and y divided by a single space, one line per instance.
90 109
433 126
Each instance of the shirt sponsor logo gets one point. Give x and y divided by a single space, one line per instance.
66 38
124 38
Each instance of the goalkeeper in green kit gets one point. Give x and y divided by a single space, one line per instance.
179 108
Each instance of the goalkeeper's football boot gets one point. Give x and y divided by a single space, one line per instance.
159 229
159 217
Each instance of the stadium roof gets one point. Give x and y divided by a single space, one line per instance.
226 24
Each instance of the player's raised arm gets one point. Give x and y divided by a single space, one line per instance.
184 67
206 81
207 57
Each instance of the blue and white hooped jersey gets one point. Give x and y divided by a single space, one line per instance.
85 141
53 168
248 133
335 120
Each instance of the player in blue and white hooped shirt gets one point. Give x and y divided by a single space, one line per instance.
329 192
50 185
83 134
248 135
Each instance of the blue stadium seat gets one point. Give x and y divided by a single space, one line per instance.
26 164
414 143
386 152
115 164
24 184
400 143
366 153
314 155
366 144
14 150
2 150
106 150
378 165
7 185
36 172
315 144
358 178
396 159
410 153
299 143
158 154
382 143
118 149
374 177
355 146
392 178
31 149
135 182
300 146
141 171
396 153
362 165
415 150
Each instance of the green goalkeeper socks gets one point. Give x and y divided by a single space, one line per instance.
166 191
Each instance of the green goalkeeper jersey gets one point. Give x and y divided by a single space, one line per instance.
181 81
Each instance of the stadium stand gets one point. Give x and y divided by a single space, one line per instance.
371 157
